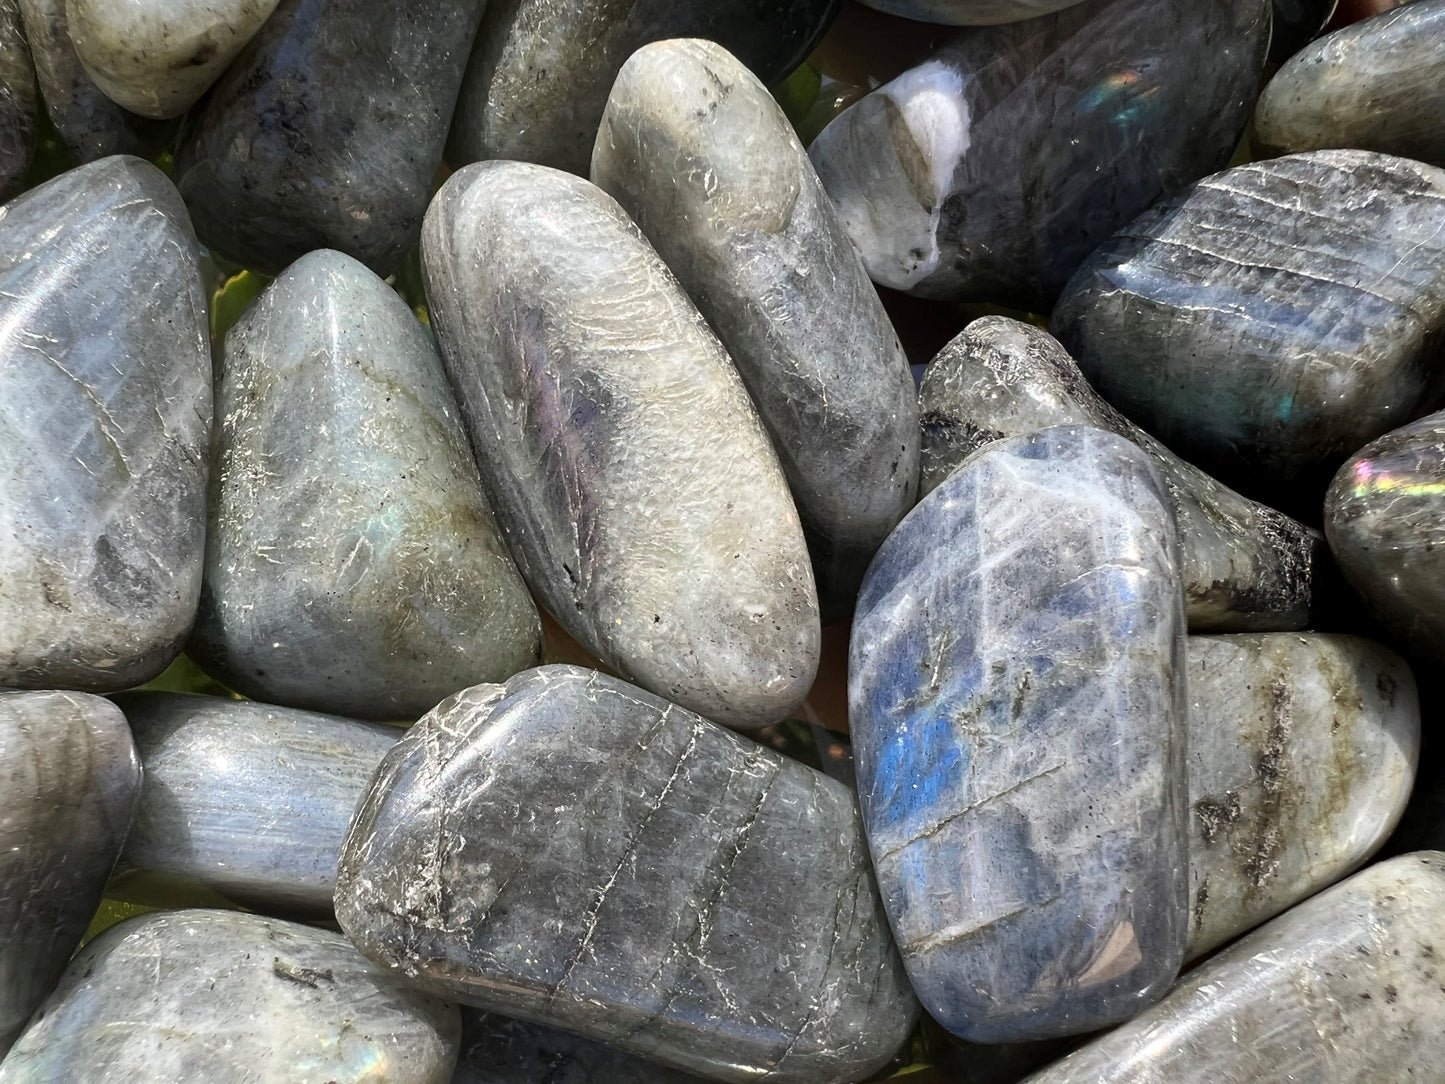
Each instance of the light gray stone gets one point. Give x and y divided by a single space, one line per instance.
970 12
571 850
230 998
19 99
1343 989
753 238
105 418
69 779
496 1049
352 563
243 799
631 477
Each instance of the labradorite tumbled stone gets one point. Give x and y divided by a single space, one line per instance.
352 563
756 243
105 418
1274 318
970 12
1016 696
569 849
18 100
628 469
327 130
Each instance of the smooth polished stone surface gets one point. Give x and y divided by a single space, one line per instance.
755 242
627 467
352 563
1302 753
970 12
18 100
538 81
569 849
993 168
156 57
1246 567
226 998
1016 694
69 779
1343 989
1385 521
89 124
496 1049
1378 85
327 131
1274 318
243 799
105 420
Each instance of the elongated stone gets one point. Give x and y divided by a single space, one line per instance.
89 124
1016 693
352 563
499 1050
571 850
993 168
69 779
1274 318
1378 85
1385 521
156 57
1344 987
18 100
327 130
537 82
1245 566
105 417
756 243
226 998
627 467
1302 754
970 12
243 799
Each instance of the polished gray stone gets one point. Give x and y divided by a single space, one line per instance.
327 131
993 168
1302 753
243 799
970 12
19 100
1274 318
1385 521
1016 695
631 476
105 419
352 563
69 779
226 998
496 1049
1343 989
1378 85
569 849
537 83
754 240
1246 567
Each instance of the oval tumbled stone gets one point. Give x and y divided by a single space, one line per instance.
627 467
1016 694
569 849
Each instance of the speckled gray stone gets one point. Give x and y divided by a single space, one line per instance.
1378 85
1302 753
1385 521
89 124
352 563
69 779
19 100
627 467
156 57
569 849
230 998
756 243
537 83
327 131
993 168
1343 989
243 799
496 1049
1016 696
970 12
1274 318
105 416
1246 567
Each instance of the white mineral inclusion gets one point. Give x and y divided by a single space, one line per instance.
893 215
